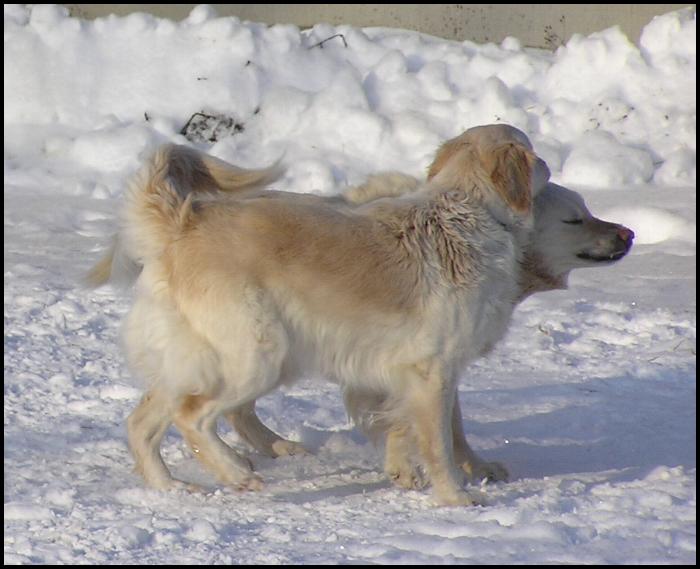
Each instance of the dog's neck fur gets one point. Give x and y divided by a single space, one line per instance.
534 277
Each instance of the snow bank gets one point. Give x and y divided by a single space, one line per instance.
602 111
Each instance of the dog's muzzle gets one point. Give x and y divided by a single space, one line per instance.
622 243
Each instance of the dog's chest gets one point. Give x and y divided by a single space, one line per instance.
484 314
493 324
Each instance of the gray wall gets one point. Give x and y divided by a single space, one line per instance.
535 25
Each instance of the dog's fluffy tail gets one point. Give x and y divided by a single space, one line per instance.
196 172
382 185
159 204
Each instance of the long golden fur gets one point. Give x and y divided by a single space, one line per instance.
243 289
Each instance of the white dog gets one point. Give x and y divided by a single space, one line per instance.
242 292
566 236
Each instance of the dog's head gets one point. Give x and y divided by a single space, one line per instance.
496 164
567 236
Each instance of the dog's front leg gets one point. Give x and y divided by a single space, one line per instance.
429 403
401 471
475 468
397 457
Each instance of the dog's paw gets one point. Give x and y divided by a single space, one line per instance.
165 482
288 448
252 483
491 471
454 498
411 480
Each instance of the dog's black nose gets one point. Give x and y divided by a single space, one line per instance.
625 234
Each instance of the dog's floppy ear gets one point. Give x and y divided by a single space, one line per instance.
511 166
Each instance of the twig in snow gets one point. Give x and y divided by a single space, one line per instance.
320 44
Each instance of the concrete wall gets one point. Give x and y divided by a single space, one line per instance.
535 25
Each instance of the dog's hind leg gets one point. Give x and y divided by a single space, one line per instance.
146 426
250 343
196 419
252 430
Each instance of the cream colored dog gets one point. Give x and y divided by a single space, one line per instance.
566 236
242 292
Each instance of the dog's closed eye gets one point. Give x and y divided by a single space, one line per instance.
573 221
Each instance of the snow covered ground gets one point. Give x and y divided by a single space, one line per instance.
590 399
